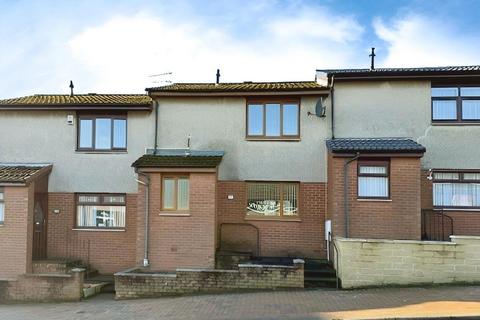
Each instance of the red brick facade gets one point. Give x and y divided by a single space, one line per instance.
186 240
396 218
16 234
106 251
302 238
464 222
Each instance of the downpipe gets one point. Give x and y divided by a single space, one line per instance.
345 193
147 191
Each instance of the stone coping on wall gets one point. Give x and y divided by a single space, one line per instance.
398 241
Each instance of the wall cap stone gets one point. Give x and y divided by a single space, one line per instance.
340 239
465 237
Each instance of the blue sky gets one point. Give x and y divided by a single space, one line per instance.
119 46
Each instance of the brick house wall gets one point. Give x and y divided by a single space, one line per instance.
464 222
396 218
179 240
107 251
16 234
301 238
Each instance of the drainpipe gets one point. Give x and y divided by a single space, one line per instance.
156 128
345 192
147 189
333 104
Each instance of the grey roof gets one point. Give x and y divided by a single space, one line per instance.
374 145
417 71
179 158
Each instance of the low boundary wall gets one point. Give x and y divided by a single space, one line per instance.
369 262
137 283
43 287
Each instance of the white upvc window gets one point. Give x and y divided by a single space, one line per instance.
456 190
373 179
100 211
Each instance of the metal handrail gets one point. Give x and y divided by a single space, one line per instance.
239 224
434 228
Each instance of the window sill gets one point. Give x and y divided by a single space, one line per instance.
449 124
374 200
102 152
174 214
458 209
274 139
99 229
273 219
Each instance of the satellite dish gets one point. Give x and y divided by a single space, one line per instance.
320 109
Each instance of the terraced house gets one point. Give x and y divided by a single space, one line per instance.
204 175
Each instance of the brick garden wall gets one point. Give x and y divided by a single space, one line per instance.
134 284
368 262
396 218
106 251
302 238
464 222
43 288
16 232
179 241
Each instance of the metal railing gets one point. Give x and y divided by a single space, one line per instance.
436 225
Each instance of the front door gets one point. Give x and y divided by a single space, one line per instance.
39 232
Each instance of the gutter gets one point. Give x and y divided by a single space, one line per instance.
345 193
147 191
156 127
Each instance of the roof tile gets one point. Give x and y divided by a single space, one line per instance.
374 145
239 87
78 100
18 173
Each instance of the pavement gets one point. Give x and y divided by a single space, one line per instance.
385 303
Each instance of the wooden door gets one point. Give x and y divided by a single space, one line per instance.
39 232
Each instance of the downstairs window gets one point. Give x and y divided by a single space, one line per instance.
100 211
272 200
456 190
373 180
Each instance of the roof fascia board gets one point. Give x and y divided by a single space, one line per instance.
377 154
154 169
77 107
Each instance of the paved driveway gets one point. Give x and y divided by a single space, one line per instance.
308 304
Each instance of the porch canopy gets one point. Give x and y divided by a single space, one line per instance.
179 158
375 146
20 174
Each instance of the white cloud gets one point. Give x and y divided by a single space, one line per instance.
417 40
120 53
319 24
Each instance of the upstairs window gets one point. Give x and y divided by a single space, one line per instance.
373 179
272 200
100 211
456 190
456 104
273 120
102 133
2 207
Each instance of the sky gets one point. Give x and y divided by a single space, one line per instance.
118 46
